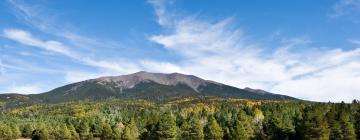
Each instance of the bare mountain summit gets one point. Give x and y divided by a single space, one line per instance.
173 79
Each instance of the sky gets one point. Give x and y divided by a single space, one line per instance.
306 49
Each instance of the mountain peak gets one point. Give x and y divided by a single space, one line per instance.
145 85
129 81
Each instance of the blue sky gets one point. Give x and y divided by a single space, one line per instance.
306 49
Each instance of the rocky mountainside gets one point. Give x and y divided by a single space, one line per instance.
173 79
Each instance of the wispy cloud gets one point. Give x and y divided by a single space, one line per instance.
24 89
160 7
217 51
160 66
355 41
26 38
76 76
37 17
295 41
345 8
2 68
14 63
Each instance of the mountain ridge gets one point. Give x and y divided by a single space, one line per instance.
144 85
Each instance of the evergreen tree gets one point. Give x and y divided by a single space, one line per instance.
348 130
16 133
340 123
84 130
185 130
213 130
97 126
62 132
243 127
334 124
197 130
357 122
40 134
73 133
228 133
5 132
107 132
131 131
167 128
27 130
315 125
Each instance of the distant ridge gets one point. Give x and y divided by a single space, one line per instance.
144 85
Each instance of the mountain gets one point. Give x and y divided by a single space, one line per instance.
144 85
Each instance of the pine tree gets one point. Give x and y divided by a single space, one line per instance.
228 133
197 130
131 131
334 124
213 130
106 132
167 128
243 127
348 130
5 132
74 134
315 125
357 123
27 130
84 130
16 132
62 132
96 127
340 123
185 130
40 134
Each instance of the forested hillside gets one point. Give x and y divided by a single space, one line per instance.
186 118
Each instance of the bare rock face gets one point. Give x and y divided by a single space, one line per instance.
129 81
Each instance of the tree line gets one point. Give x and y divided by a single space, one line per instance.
193 119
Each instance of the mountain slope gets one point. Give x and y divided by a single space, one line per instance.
152 86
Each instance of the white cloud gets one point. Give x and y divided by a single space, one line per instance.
355 41
291 42
23 89
216 51
333 84
76 76
162 67
37 16
73 45
345 8
25 38
120 66
161 11
24 53
2 68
